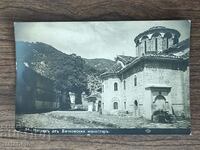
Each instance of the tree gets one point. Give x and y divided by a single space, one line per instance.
71 77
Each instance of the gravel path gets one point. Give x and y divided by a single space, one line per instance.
84 119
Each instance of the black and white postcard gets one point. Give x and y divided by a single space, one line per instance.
103 77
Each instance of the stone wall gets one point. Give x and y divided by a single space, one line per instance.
157 75
134 93
165 77
45 105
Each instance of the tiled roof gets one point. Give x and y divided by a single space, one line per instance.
93 97
186 55
125 59
181 49
114 69
117 66
168 58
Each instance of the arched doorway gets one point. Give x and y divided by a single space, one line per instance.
136 108
159 103
115 105
160 109
99 106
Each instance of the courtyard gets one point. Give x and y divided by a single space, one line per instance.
85 119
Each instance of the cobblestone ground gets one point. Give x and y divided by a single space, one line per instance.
84 119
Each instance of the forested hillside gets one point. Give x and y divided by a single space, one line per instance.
69 71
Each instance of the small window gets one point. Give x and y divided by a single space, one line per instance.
145 46
124 84
115 105
135 81
115 86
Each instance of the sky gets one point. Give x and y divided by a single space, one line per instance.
93 39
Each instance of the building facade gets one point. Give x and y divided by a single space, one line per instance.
157 79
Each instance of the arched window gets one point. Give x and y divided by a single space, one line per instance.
115 105
115 86
156 36
156 44
145 38
145 47
167 43
135 80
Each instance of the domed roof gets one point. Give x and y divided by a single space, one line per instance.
156 29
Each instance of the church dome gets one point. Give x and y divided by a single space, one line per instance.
155 40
